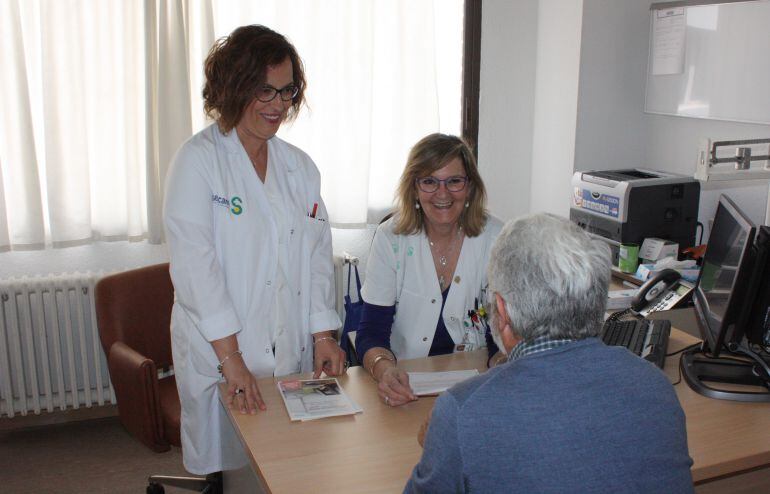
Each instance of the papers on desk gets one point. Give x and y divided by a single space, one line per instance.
620 299
433 383
310 399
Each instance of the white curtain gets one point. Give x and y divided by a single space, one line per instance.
96 96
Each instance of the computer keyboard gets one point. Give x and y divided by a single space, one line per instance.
644 337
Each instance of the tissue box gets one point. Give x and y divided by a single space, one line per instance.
655 249
620 299
647 271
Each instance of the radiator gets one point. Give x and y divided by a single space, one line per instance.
342 263
50 353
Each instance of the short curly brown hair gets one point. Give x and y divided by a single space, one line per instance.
237 66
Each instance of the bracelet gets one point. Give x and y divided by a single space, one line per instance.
325 338
222 363
377 358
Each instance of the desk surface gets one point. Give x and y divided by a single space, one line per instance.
375 451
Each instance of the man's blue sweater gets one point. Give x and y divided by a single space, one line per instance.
583 417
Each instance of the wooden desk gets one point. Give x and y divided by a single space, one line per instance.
724 437
375 451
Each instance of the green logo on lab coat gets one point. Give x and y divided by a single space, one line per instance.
236 202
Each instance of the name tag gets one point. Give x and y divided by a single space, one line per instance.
464 347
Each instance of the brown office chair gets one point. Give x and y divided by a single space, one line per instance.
133 312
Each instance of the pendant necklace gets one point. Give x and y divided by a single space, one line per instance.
443 260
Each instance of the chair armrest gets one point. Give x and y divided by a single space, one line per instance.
135 379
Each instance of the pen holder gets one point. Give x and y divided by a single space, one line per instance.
628 257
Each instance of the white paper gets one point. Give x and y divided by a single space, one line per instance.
312 399
668 38
620 299
432 383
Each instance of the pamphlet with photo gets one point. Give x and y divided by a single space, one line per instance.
310 399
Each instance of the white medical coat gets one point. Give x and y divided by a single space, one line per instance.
400 271
224 255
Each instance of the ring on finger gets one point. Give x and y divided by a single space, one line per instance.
238 391
387 400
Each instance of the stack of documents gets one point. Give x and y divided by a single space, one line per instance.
433 383
311 399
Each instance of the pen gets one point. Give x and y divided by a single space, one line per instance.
315 210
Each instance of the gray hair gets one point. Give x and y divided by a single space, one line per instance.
552 275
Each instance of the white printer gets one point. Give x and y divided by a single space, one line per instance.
627 206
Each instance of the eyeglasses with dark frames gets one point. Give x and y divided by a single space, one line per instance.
432 184
267 93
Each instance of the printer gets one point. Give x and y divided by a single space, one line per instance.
629 205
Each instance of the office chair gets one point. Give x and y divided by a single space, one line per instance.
133 312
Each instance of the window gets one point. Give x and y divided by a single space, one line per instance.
98 99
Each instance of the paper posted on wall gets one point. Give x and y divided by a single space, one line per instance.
310 399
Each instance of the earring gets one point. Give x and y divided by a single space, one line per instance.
416 205
467 204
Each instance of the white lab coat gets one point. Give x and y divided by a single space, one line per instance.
224 253
400 271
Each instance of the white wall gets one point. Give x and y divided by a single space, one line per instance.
527 109
101 256
673 145
119 256
612 129
506 103
556 99
586 108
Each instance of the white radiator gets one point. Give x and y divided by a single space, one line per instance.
341 264
50 353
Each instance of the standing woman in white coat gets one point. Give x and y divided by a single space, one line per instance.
426 274
250 247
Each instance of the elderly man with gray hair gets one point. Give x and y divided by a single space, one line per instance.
565 413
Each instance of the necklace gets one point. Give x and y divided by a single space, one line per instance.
261 156
443 258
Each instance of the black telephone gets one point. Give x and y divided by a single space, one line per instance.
653 288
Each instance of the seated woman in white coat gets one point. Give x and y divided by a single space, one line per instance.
250 247
426 274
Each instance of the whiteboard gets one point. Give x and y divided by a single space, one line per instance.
724 70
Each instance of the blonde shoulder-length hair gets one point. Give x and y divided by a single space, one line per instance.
432 153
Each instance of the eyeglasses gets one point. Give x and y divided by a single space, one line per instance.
267 93
452 184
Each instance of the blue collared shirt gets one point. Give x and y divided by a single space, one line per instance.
539 344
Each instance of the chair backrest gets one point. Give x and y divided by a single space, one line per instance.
135 307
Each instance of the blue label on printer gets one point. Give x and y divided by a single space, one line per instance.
600 203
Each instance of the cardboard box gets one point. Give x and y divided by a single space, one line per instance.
655 249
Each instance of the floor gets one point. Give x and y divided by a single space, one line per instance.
95 456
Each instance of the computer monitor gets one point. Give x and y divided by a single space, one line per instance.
724 297
723 281
755 320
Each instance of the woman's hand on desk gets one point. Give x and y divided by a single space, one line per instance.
328 357
242 391
393 387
